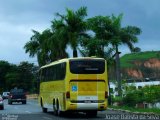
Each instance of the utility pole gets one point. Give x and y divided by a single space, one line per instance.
118 72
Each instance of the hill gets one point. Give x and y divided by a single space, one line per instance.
141 65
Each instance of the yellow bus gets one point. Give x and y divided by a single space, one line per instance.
75 85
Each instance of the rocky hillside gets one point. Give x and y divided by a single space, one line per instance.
141 65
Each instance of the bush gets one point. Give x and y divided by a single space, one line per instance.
148 94
117 99
132 98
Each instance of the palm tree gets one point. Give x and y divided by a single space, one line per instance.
122 35
75 26
136 50
37 46
110 32
47 46
58 41
101 26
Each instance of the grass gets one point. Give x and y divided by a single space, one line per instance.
147 110
127 61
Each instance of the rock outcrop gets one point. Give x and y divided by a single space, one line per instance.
144 69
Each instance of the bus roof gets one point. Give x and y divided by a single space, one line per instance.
67 59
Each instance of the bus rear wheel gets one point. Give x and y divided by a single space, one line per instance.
55 108
44 109
91 113
58 110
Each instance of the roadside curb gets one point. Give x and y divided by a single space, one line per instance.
128 111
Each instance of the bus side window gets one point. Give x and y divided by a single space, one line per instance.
63 70
54 73
50 73
42 75
46 75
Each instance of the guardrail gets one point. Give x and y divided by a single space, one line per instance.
32 96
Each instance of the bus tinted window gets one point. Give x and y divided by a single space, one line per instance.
55 72
87 66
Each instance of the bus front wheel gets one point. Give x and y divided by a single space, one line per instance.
43 108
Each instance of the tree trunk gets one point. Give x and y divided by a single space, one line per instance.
102 51
75 52
109 98
118 73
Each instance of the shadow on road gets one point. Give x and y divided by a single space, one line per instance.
76 115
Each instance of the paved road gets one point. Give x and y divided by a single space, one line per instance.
19 108
32 111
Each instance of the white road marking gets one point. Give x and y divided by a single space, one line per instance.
27 111
15 108
47 118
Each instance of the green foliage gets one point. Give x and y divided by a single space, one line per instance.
73 29
21 76
149 94
136 50
51 44
26 77
37 46
134 97
12 79
4 68
117 99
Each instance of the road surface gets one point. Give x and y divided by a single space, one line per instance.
32 111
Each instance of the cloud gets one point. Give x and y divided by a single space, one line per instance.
18 18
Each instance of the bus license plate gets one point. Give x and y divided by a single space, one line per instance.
87 101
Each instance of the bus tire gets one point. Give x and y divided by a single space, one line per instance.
43 108
24 102
54 108
59 112
91 113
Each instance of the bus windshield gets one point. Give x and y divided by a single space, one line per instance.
87 66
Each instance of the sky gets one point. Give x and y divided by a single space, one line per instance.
19 17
